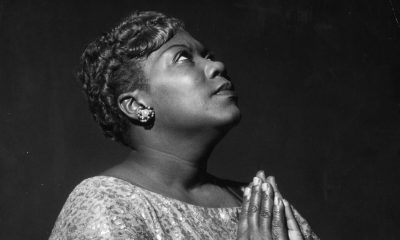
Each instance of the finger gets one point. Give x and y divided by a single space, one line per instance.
294 231
267 206
243 224
254 207
260 174
271 180
279 230
249 186
303 224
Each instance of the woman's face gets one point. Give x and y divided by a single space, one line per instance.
187 88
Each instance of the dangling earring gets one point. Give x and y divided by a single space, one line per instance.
145 114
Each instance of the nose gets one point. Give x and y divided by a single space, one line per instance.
214 69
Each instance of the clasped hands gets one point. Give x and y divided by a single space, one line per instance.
266 215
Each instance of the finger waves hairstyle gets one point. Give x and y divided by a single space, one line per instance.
111 65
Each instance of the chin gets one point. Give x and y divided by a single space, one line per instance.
229 119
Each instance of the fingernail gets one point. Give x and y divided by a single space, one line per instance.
280 203
272 179
256 181
261 174
269 179
276 200
264 187
285 202
247 192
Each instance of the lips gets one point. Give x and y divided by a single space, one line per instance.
225 88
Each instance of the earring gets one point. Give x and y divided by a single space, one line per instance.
145 114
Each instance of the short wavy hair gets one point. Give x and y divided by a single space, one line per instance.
111 65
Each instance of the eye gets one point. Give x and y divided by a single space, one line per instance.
183 56
210 56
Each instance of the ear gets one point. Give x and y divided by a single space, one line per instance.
128 103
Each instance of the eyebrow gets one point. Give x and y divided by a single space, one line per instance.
174 46
201 49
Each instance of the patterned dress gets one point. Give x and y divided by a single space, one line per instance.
109 208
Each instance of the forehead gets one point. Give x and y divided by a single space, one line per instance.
181 38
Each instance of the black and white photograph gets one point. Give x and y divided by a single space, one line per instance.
199 120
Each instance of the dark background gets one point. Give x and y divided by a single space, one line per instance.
319 90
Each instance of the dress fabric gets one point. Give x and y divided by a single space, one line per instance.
105 207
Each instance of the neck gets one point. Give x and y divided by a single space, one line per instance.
179 163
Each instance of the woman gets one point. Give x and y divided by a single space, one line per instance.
154 88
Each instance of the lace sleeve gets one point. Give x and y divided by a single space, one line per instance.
98 213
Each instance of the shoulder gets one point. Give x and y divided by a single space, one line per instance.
100 191
100 207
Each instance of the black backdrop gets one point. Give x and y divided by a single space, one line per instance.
318 82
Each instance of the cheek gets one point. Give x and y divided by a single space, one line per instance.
180 97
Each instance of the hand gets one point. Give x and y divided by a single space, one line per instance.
305 227
263 214
302 223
